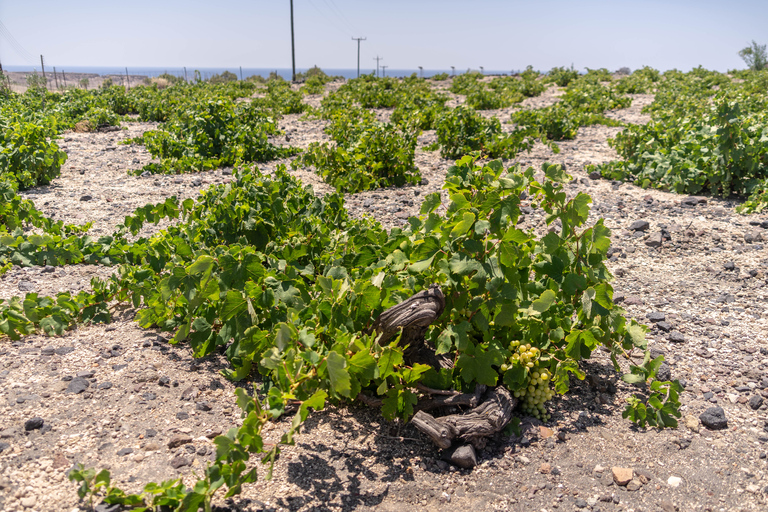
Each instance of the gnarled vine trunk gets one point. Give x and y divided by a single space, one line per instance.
490 411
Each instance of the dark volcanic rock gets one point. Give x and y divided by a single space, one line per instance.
78 385
755 401
463 456
33 424
676 337
714 418
656 316
639 225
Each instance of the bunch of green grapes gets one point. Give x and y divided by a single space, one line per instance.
538 391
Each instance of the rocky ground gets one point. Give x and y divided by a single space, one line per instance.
120 397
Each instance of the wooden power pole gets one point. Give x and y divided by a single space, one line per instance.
293 48
42 65
358 39
377 59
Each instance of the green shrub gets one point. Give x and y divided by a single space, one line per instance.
562 76
462 131
367 155
212 134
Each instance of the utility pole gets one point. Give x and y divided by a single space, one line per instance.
42 65
358 39
293 48
185 74
127 80
421 72
241 73
384 70
63 79
453 70
377 59
482 70
56 80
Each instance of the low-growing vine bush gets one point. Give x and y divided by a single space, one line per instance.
212 134
461 131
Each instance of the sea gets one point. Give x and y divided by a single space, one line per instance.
205 73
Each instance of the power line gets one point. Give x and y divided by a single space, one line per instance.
377 59
339 13
330 20
23 53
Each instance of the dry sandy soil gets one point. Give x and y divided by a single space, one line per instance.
115 396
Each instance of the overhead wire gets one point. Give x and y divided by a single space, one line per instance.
331 21
339 13
23 53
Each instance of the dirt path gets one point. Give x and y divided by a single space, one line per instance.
115 396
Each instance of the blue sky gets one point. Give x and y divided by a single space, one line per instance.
435 34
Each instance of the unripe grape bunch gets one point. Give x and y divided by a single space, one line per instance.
537 392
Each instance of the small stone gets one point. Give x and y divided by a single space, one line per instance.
598 469
664 326
464 456
78 385
151 447
634 484
656 316
87 374
752 488
182 415
86 197
180 461
729 265
203 406
622 476
664 373
29 501
580 503
105 385
33 424
674 481
164 381
676 337
213 433
125 451
606 479
62 351
692 422
639 225
27 286
47 351
4 446
755 401
523 459
655 240
714 418
545 468
595 175
178 440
